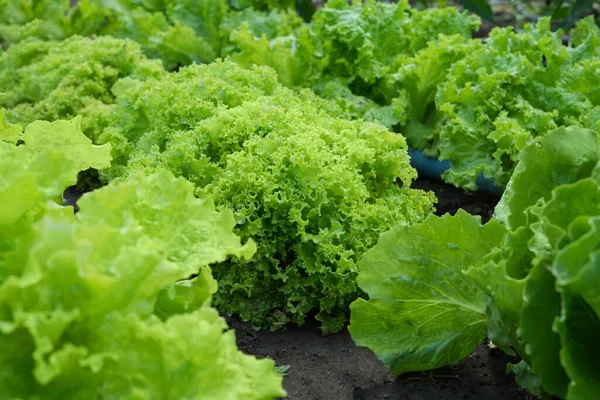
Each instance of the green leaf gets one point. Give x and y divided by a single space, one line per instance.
423 312
312 189
541 306
579 327
191 234
29 180
525 377
564 156
40 136
78 296
9 132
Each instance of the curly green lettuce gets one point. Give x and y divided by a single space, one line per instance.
514 88
94 304
59 80
313 190
379 61
175 31
417 80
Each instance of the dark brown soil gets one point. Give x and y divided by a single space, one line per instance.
451 199
334 368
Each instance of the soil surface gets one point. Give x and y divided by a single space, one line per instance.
333 368
451 199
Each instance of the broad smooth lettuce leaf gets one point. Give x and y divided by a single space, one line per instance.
567 235
60 80
312 189
544 268
541 305
516 87
564 156
423 312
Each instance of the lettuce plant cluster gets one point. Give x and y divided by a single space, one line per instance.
52 80
178 32
93 304
475 103
514 88
221 124
527 279
117 299
313 190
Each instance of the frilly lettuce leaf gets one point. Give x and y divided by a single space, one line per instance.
362 54
417 81
367 40
27 180
516 87
177 32
423 312
40 169
9 132
78 294
67 136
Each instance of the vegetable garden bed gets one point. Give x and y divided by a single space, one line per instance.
247 166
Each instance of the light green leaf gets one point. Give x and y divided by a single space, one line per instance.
564 156
525 377
9 132
423 312
30 180
541 306
40 136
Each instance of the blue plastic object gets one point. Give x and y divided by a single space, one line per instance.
433 169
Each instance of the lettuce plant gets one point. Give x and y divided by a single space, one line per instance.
516 87
379 61
59 80
532 279
178 32
312 189
93 304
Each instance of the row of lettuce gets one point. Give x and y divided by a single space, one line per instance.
309 181
475 103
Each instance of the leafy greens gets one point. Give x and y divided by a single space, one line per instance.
93 304
534 281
